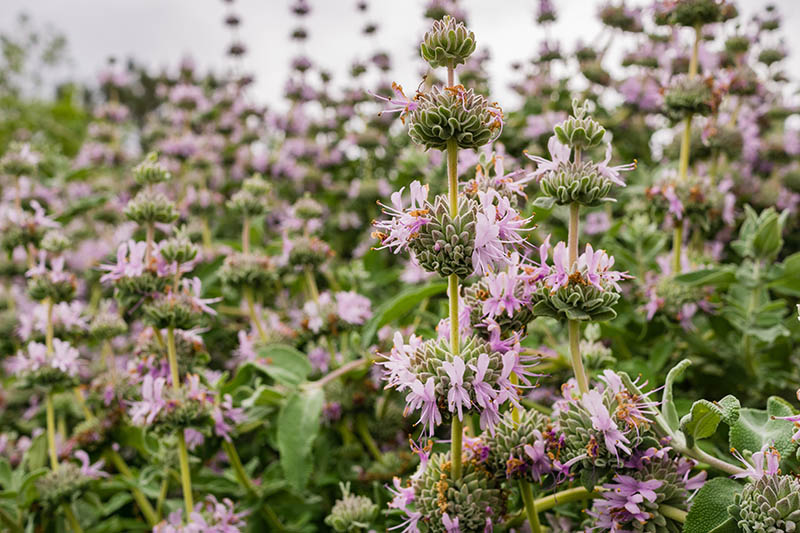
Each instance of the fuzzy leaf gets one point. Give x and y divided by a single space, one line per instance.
756 427
667 403
285 364
298 425
397 307
710 508
705 416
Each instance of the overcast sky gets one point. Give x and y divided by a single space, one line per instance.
161 32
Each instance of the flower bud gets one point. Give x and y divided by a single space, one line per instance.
150 171
447 44
247 270
306 208
55 242
693 13
61 485
309 252
453 113
351 513
580 130
773 500
445 244
149 207
689 96
471 499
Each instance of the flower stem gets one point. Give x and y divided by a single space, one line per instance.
162 495
248 294
186 477
672 512
574 328
565 496
683 165
573 325
344 369
246 235
51 430
138 495
366 437
456 432
48 336
73 521
238 467
311 284
149 235
453 290
172 357
530 506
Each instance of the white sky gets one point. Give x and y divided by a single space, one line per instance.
161 32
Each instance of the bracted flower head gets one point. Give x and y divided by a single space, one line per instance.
447 44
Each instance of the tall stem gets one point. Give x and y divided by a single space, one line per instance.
149 235
172 357
51 430
141 500
530 506
248 294
186 476
683 165
246 235
457 428
73 521
668 511
565 496
573 326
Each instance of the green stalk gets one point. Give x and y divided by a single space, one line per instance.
453 290
162 495
246 235
241 475
747 343
565 496
573 326
672 512
366 437
683 165
251 308
186 476
141 500
172 357
530 506
183 454
73 521
51 430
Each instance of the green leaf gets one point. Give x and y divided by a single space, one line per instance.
397 307
668 409
757 427
705 416
708 276
298 425
710 508
284 364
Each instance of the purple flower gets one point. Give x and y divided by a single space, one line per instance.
90 470
457 397
541 463
152 402
399 104
352 307
602 421
620 504
424 397
404 223
484 393
193 287
226 416
401 496
612 173
560 154
754 469
65 357
450 526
